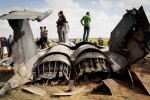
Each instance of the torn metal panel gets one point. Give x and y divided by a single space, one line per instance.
35 90
128 43
118 62
142 75
112 85
120 32
54 64
70 93
127 39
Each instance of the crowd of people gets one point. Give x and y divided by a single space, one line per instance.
63 30
6 46
42 42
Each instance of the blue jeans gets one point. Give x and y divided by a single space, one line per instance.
86 33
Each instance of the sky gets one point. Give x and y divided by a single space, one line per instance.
105 15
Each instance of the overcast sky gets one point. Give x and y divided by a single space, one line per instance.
105 14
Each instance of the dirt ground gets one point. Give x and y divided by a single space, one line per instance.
125 92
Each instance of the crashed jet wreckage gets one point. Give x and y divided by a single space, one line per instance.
127 45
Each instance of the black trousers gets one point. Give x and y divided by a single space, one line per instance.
86 33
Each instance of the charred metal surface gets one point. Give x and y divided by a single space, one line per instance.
112 86
55 64
127 39
141 74
90 60
53 67
63 61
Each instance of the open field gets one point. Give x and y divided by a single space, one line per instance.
92 40
95 40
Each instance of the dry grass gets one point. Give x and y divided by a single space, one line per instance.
125 93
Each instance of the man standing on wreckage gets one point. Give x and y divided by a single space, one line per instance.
61 27
85 21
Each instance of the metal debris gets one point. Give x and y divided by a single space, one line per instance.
71 85
127 41
112 85
35 90
142 75
70 93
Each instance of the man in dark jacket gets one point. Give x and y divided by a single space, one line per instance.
61 27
